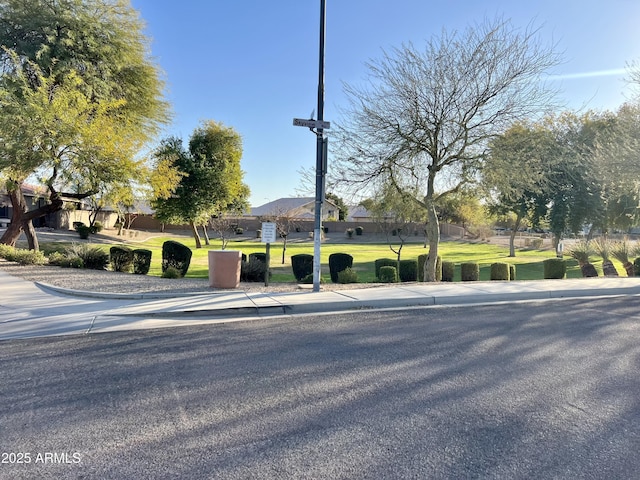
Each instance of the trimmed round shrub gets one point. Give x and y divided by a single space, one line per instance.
121 258
636 267
302 265
176 255
500 271
347 276
337 263
408 270
469 272
384 262
554 268
259 256
448 271
512 272
142 261
422 259
359 230
388 274
83 231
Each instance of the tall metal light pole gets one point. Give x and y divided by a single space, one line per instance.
320 155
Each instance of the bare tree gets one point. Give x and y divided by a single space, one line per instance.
285 223
423 120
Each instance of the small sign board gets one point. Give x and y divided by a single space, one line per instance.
300 122
268 232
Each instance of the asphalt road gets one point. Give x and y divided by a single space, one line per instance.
528 390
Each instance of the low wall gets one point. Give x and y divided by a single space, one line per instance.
148 222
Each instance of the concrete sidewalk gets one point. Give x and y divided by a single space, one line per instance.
30 309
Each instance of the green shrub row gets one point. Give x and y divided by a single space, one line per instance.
22 256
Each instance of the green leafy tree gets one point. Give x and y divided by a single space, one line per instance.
516 174
614 158
343 209
575 185
211 178
79 96
422 121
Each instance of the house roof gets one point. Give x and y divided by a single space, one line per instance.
282 206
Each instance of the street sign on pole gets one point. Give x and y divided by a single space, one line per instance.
301 122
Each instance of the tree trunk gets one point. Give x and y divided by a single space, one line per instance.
30 233
19 206
433 233
588 270
512 235
196 235
284 248
206 235
22 217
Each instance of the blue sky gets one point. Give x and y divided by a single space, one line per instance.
253 64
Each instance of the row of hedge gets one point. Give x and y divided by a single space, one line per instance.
388 270
176 258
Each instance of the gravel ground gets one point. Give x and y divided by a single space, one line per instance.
116 282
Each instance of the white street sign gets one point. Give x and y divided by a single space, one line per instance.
300 122
268 232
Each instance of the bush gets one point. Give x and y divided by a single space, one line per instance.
408 270
500 271
448 271
5 251
388 274
171 272
359 230
253 270
384 262
83 231
302 265
422 259
96 227
26 257
347 276
337 263
554 268
349 232
142 261
56 258
636 267
512 272
176 255
309 279
121 258
470 272
261 257
93 257
65 260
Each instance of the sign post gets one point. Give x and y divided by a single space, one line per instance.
268 237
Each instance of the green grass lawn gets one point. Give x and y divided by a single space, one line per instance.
528 262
